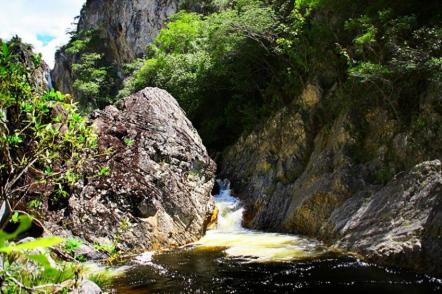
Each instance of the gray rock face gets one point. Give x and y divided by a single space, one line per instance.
296 177
399 224
39 78
157 192
62 72
126 26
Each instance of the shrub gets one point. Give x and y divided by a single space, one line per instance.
42 137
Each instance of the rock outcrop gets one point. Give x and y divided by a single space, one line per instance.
151 185
399 224
125 29
327 181
40 79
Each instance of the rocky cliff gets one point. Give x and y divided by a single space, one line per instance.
151 185
124 29
366 192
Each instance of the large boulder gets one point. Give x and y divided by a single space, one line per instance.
150 186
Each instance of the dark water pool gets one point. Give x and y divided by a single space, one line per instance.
211 271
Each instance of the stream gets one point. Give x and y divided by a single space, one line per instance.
233 259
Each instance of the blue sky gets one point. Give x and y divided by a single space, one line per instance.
45 39
42 23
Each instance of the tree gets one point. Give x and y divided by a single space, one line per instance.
217 66
95 80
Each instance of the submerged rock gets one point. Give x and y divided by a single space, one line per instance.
151 185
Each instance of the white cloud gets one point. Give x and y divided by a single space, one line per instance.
29 18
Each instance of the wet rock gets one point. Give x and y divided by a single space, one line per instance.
154 190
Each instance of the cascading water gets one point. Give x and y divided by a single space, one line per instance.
232 259
249 244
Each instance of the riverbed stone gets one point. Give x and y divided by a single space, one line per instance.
87 287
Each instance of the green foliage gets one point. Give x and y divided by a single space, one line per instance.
42 137
34 204
104 171
72 244
78 45
94 78
44 143
181 34
15 217
213 65
111 248
128 141
28 265
394 55
231 64
202 6
30 245
106 248
103 279
367 71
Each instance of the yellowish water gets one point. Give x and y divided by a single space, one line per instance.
253 245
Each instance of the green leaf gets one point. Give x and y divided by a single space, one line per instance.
48 171
72 244
40 259
15 217
26 107
14 139
5 49
25 224
103 171
128 141
32 245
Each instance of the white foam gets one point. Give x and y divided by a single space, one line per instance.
248 244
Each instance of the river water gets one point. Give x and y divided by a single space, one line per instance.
232 259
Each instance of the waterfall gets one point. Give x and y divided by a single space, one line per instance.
251 245
230 209
48 78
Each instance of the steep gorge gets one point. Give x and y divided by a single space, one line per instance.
344 161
